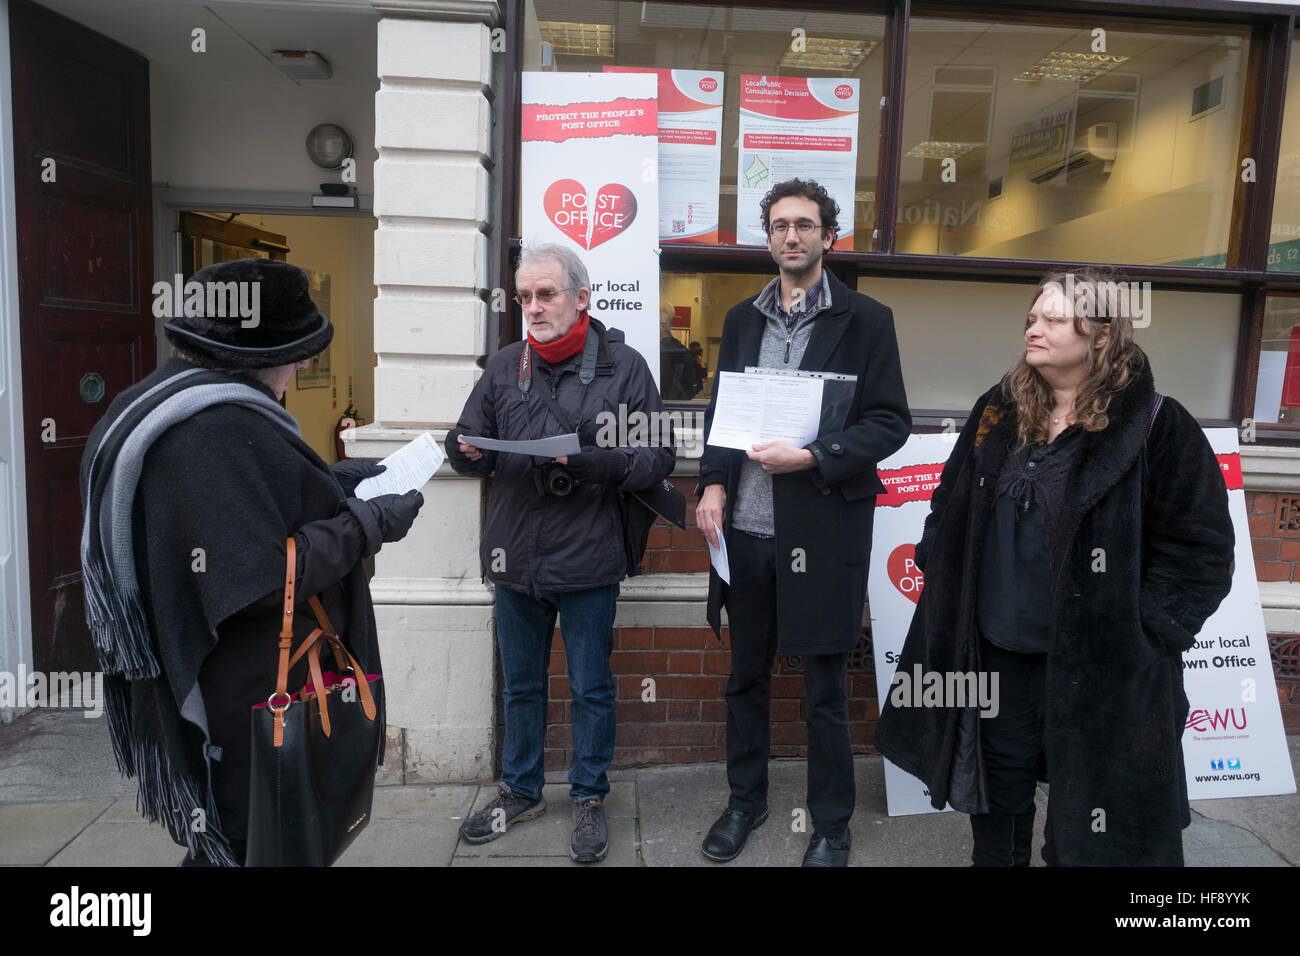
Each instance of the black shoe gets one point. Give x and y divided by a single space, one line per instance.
505 810
590 840
823 851
727 836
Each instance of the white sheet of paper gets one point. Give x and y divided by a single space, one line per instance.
718 555
754 408
406 469
552 447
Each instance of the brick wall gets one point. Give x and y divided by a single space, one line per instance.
687 720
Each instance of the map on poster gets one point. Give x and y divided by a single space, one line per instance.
1234 744
588 180
796 127
690 152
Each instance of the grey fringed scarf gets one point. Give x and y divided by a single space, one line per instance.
145 718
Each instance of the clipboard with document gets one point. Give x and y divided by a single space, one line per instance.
764 404
837 395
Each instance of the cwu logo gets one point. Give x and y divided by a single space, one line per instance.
1201 720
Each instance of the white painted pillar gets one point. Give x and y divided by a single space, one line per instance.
433 127
15 586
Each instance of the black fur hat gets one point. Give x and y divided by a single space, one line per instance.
289 326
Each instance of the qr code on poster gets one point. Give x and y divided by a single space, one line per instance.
679 225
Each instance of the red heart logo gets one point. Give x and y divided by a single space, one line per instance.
614 211
568 206
565 202
903 571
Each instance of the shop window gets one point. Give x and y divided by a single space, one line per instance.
1284 237
1277 387
592 35
693 306
1086 142
957 339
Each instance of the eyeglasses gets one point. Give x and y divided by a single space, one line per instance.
803 228
544 296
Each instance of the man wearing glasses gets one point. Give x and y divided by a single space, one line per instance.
552 543
798 521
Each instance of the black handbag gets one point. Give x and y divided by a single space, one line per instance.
313 759
639 509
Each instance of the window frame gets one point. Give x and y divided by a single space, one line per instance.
1272 31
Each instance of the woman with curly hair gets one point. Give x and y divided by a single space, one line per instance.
1077 542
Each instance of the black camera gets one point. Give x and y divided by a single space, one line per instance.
553 479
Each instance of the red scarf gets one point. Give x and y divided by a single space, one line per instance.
571 343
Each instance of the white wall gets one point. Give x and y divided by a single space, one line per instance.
957 339
253 135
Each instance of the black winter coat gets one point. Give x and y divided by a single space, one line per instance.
231 482
541 544
1114 706
826 511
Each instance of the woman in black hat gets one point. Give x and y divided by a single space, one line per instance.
192 482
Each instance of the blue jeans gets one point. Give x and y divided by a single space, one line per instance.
525 625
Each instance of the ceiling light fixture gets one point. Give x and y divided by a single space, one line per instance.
828 53
941 149
578 39
1075 67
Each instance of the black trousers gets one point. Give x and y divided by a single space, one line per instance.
1012 747
751 613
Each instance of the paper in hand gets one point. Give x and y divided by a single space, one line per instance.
718 555
754 408
407 469
551 447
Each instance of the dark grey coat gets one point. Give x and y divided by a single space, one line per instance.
826 511
541 544
1114 701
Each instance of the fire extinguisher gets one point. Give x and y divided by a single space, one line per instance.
350 419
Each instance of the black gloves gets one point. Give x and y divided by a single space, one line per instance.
351 472
395 513
599 464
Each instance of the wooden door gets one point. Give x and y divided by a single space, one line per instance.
82 175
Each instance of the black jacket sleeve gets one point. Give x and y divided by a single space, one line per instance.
714 460
883 419
1187 530
327 550
477 418
650 465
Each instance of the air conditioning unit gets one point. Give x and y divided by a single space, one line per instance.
1096 144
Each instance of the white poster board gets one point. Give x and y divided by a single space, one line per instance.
893 583
690 152
796 127
1234 744
589 180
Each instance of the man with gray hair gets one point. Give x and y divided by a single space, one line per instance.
552 543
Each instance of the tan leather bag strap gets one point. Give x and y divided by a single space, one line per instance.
286 641
280 701
313 665
323 619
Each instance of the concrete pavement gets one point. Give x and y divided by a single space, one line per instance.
62 803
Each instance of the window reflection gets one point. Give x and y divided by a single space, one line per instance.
1095 143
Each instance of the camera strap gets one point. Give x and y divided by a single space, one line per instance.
586 372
